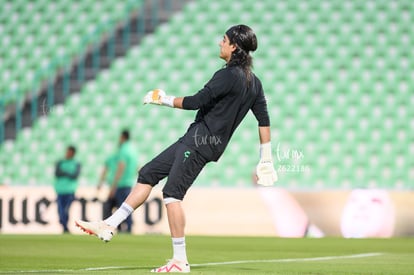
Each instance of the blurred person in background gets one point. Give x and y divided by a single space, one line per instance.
121 173
67 172
106 177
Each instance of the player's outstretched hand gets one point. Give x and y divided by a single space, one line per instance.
265 171
159 97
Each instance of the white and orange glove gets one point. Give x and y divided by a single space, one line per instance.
266 173
158 97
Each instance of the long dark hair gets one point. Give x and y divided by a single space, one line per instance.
245 41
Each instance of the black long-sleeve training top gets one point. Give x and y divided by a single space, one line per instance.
222 104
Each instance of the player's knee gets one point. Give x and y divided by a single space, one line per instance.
145 176
168 200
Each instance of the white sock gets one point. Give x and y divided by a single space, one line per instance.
119 215
179 249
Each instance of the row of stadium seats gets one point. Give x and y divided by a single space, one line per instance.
341 115
34 34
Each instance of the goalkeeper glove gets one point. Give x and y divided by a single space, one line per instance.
159 97
265 171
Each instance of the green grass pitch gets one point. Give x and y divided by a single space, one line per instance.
126 254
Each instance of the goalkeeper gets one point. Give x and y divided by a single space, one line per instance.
222 104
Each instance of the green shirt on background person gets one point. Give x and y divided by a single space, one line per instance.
111 165
127 155
66 175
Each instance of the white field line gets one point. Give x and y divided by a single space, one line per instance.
327 258
104 268
292 260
